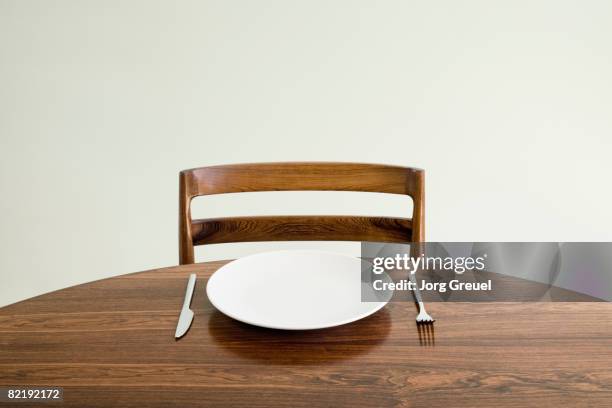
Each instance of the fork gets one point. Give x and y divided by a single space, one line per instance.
423 317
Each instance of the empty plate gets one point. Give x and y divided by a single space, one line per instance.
293 290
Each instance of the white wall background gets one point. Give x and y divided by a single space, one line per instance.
507 105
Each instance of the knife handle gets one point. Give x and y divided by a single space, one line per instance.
189 293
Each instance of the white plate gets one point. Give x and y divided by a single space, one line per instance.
292 290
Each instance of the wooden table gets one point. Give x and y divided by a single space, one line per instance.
110 344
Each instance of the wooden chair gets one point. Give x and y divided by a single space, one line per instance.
302 176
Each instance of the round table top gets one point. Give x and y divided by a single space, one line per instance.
111 343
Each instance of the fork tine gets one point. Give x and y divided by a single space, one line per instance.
420 331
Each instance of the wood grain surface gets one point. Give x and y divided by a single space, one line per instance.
110 344
301 228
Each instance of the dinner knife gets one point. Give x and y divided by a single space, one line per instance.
186 316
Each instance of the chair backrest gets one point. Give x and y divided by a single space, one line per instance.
299 176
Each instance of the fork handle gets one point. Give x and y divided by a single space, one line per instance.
416 292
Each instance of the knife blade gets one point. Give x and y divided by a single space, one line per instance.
186 316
